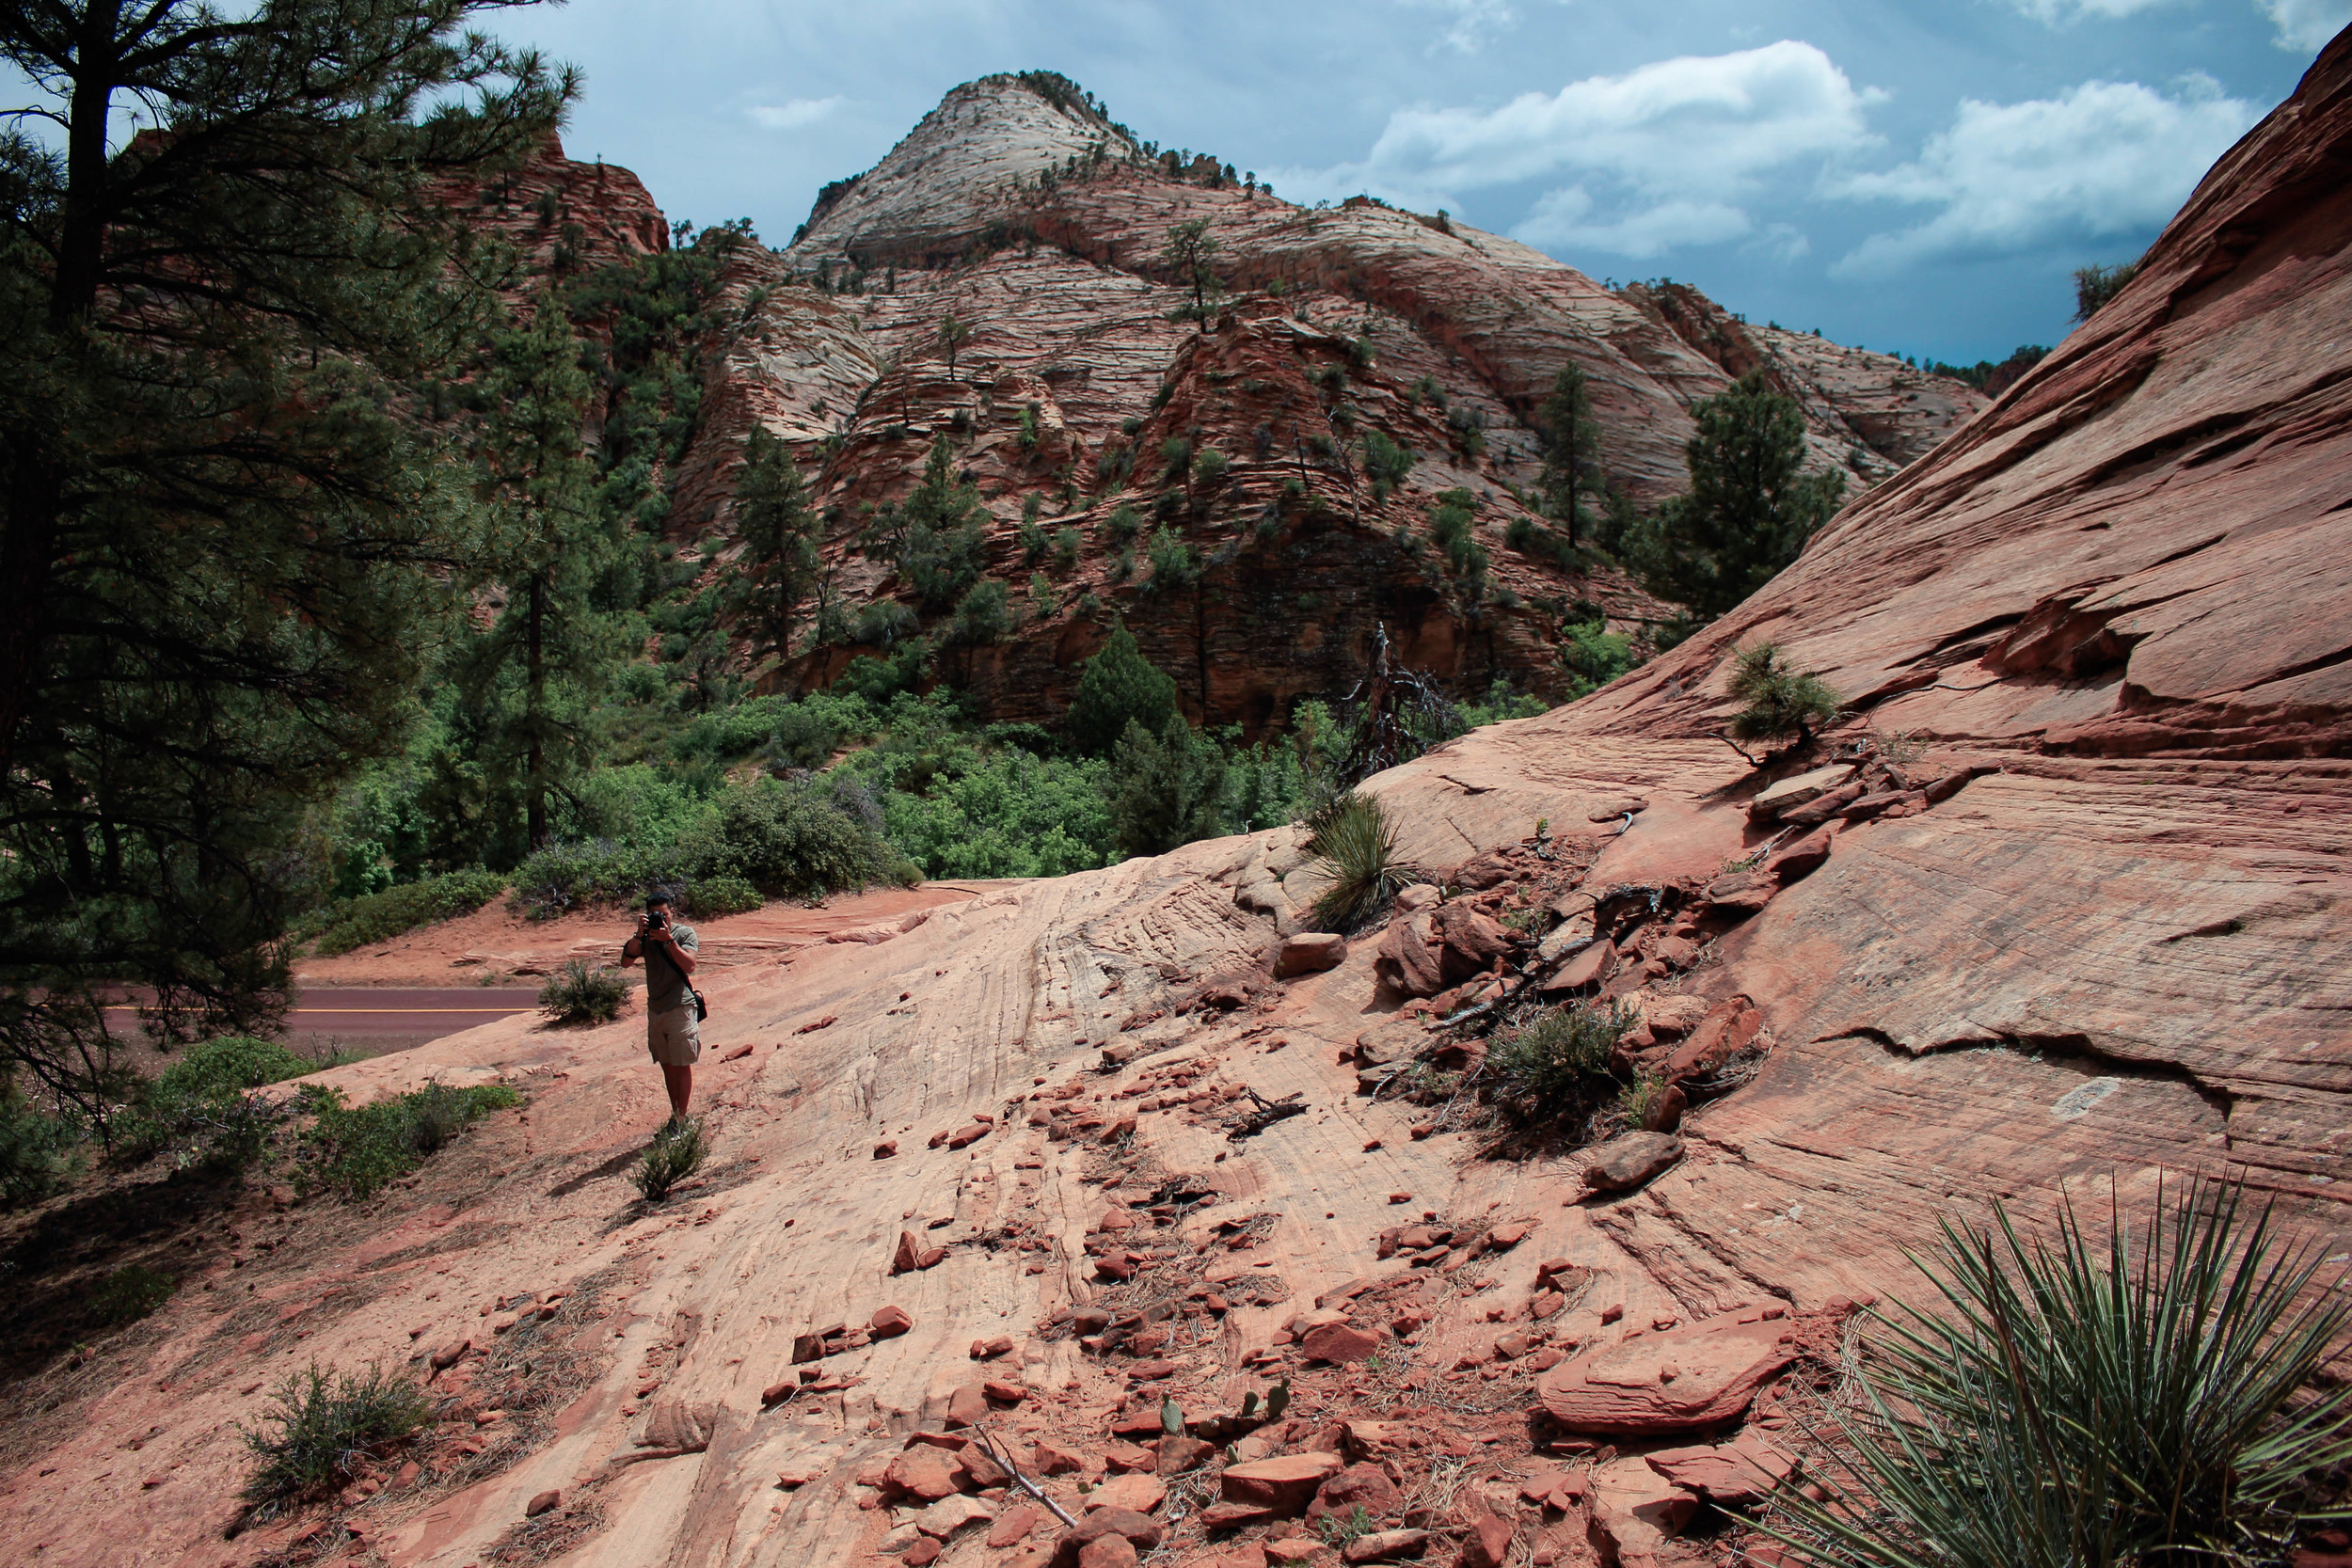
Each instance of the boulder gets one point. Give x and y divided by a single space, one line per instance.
1362 1484
1421 895
1831 804
909 1254
1730 1027
952 1514
1630 1160
1408 956
1736 1474
1286 1483
1387 1546
1107 1551
889 1323
1794 861
1180 1453
1139 1530
1339 1343
1772 801
545 1502
1488 1543
966 1406
1624 1389
1469 939
1136 1492
1310 952
1638 1508
1219 1516
1583 971
923 1473
1014 1525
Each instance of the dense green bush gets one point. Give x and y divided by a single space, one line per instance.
1166 789
1546 1070
357 1152
1116 687
805 737
566 877
1174 567
707 896
355 923
582 992
1387 462
983 615
36 1151
2095 285
202 1108
322 1433
2084 1401
1006 814
1594 655
794 839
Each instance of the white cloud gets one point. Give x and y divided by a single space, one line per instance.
2306 25
1694 126
2056 11
1667 155
792 112
2104 158
1473 20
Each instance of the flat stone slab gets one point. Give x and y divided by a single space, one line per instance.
1650 1385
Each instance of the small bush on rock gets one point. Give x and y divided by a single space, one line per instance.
322 1433
582 992
358 1152
674 1154
1779 702
1549 1068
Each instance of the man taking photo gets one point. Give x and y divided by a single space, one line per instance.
673 1030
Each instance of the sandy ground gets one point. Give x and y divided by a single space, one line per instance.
490 945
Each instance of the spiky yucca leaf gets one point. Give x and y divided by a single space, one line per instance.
2082 1402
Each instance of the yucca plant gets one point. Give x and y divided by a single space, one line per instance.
2088 1402
1355 845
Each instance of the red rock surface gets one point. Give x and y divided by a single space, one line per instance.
2094 634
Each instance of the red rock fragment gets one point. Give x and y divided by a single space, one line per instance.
888 1322
546 1502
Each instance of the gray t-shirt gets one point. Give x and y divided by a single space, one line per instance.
665 983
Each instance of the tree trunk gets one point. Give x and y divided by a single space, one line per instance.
535 706
81 234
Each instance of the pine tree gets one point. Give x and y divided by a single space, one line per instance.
1571 445
1117 687
782 565
225 512
1750 507
1190 254
936 532
536 672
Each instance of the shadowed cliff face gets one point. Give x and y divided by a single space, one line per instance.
2074 926
1040 228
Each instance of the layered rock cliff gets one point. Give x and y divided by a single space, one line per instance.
2060 912
1022 213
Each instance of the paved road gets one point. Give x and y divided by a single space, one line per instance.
383 1018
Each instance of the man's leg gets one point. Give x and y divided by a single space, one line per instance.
679 1081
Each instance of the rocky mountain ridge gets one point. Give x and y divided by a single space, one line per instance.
1020 211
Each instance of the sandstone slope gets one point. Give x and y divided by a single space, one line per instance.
2076 925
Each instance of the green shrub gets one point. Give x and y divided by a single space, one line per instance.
706 896
1639 1099
983 615
1006 814
565 877
794 838
582 992
323 1434
203 1105
1779 702
1166 789
1174 567
1116 687
674 1154
1545 1069
231 1063
1387 462
805 737
1452 521
885 622
1354 844
1594 655
357 1152
1066 544
130 1293
1209 466
36 1151
1124 523
878 680
2095 285
380 916
2089 1401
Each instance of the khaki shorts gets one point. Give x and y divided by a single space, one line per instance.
674 1037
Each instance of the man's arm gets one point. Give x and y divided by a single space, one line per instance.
630 951
681 955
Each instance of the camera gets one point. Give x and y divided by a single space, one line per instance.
657 919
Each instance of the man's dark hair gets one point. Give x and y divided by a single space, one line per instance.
657 896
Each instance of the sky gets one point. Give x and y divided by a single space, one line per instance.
1918 176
